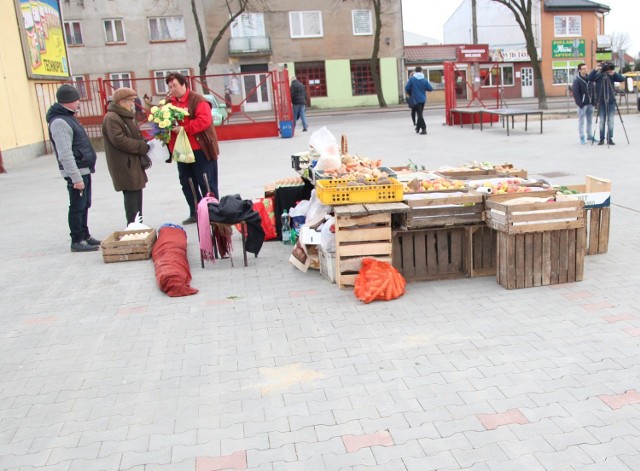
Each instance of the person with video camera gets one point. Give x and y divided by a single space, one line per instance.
604 75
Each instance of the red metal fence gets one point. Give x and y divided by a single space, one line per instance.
255 102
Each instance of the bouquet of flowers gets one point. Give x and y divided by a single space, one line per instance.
164 118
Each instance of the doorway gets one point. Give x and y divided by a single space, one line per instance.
526 82
256 87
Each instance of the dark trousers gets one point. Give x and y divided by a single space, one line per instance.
196 171
420 125
79 204
132 204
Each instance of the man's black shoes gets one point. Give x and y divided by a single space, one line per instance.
83 246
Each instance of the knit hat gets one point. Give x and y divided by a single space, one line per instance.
67 94
123 94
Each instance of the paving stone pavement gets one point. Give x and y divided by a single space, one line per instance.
267 368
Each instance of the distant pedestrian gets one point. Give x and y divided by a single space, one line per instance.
76 161
583 94
125 150
416 87
411 103
299 102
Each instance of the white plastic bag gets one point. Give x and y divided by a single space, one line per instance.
137 224
300 209
328 238
316 211
158 152
326 145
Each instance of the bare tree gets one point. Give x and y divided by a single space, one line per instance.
523 12
620 41
375 60
234 8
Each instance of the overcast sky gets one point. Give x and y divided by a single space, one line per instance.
427 17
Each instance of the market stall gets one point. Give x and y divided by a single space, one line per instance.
474 220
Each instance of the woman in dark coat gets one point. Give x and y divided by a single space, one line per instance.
125 149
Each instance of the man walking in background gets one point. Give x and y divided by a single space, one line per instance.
583 94
299 101
416 87
76 161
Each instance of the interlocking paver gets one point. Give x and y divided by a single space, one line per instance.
278 365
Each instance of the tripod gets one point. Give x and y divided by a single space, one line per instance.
606 89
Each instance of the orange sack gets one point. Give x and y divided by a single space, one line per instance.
378 280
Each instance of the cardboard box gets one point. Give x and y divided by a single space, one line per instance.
596 192
327 266
309 236
114 249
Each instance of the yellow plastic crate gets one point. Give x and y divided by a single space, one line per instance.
333 192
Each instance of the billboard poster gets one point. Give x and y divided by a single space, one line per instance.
42 36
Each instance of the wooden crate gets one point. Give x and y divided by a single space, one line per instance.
431 254
482 250
540 258
534 217
116 250
362 231
441 209
596 194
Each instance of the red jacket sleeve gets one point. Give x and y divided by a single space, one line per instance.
201 121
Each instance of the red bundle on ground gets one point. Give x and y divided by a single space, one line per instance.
170 259
378 280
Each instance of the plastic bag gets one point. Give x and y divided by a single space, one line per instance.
158 152
137 225
325 143
327 237
182 151
316 211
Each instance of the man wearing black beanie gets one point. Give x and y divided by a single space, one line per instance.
76 161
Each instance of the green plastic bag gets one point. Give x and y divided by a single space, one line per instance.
182 151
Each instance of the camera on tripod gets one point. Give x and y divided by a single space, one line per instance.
608 66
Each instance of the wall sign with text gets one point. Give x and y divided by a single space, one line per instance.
568 48
42 35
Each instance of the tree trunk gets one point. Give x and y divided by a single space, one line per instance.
375 61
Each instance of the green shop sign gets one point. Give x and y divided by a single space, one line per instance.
568 48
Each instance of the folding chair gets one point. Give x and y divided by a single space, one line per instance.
220 226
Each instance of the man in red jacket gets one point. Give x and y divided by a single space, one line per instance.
202 137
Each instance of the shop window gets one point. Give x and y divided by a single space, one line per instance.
114 31
160 85
497 76
166 29
362 23
435 78
73 33
305 24
362 78
564 72
312 74
567 26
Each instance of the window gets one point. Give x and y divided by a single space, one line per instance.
81 83
248 25
312 74
497 76
305 24
564 72
158 79
114 31
120 79
435 78
567 25
362 78
362 24
73 33
166 29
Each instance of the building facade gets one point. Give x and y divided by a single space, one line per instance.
566 32
327 45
